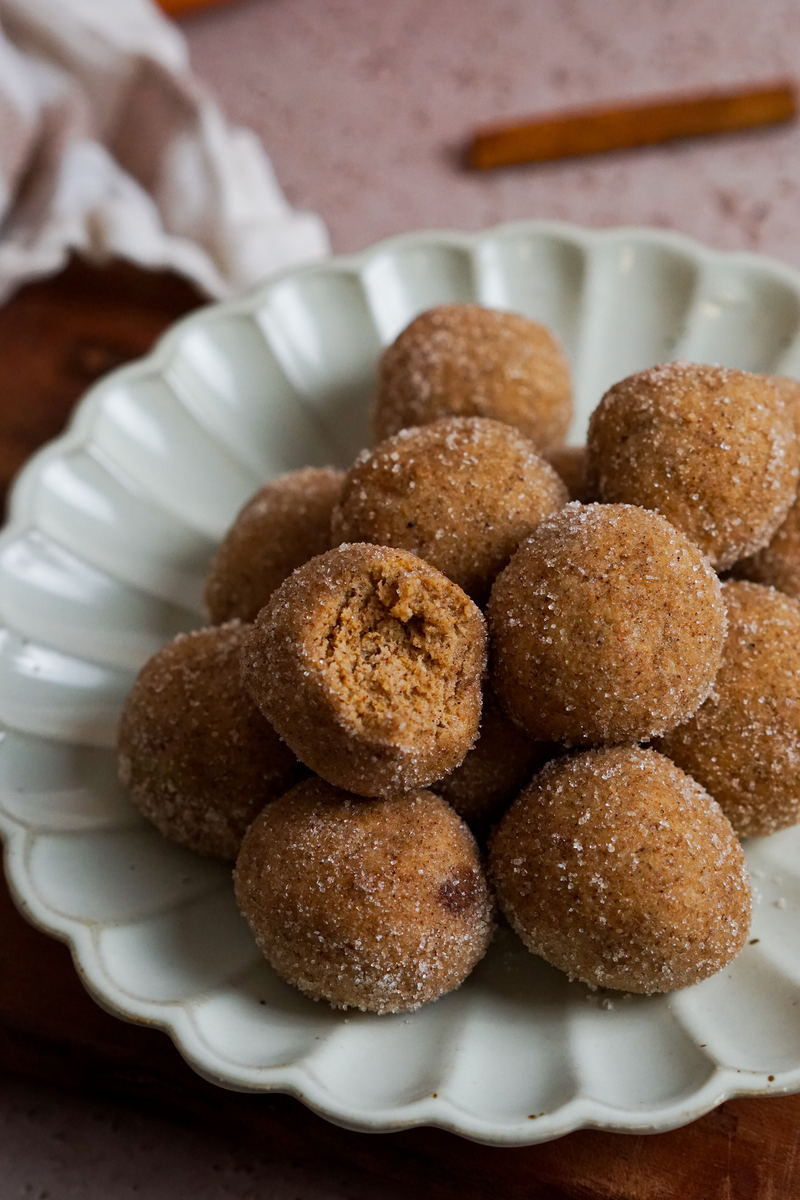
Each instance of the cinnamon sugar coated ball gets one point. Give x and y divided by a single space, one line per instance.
618 869
198 758
461 493
710 448
502 760
743 745
778 563
369 663
606 626
373 904
286 523
463 360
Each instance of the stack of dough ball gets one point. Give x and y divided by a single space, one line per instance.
619 869
778 564
463 360
380 905
368 662
462 493
711 449
287 522
606 626
498 765
198 757
743 745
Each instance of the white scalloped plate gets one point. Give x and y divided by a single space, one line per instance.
111 530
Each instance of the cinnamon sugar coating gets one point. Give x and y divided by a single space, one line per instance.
778 563
369 663
283 525
620 870
463 360
710 448
499 764
462 493
606 626
198 758
743 745
380 905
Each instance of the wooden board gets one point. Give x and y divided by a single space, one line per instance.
55 338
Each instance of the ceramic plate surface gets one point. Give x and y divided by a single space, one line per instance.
111 531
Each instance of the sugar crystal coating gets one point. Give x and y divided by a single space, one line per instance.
743 745
283 525
502 760
606 626
463 360
620 870
462 493
380 905
710 448
198 757
778 563
369 663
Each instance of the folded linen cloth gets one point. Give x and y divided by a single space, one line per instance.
109 146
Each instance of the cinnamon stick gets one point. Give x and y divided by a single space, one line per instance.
600 128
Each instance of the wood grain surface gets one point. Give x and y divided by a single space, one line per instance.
55 338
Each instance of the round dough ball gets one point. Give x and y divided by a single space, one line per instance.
369 663
198 758
286 523
463 360
743 745
778 564
616 867
711 449
498 765
373 904
606 626
461 493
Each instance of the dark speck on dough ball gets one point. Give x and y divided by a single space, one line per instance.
380 905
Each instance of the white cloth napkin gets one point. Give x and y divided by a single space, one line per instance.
109 146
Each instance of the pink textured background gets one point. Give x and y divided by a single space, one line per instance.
364 106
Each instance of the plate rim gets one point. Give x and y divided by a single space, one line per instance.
723 1083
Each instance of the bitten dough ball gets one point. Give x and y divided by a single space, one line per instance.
373 904
711 449
198 758
463 360
606 626
743 745
369 663
619 869
461 493
286 523
498 765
